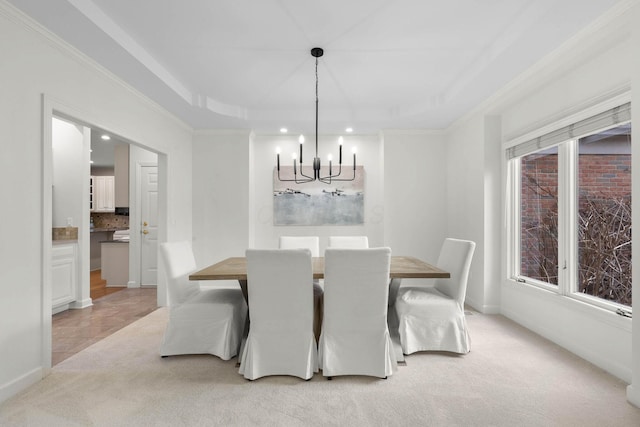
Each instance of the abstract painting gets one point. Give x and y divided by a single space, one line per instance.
317 203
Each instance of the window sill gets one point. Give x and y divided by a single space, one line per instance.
595 312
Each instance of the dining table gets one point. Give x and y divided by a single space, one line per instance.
402 267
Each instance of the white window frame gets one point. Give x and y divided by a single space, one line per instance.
567 206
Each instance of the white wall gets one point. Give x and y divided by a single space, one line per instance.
36 63
221 195
592 66
404 192
69 172
415 193
465 204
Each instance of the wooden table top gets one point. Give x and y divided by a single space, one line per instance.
402 267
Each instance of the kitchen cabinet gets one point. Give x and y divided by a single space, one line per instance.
115 263
103 196
64 275
95 253
91 194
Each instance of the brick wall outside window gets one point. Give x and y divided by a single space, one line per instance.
604 187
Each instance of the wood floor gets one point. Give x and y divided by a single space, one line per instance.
113 309
99 285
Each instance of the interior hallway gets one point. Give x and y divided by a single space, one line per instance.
113 308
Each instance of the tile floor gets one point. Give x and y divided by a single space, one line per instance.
75 330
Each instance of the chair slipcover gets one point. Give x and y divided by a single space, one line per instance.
348 242
280 340
200 321
313 244
432 317
355 337
301 242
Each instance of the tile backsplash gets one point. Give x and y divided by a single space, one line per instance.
109 220
64 233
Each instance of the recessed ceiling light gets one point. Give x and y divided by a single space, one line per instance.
348 130
284 130
105 137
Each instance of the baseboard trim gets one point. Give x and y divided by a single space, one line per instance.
14 387
483 308
633 395
576 347
88 302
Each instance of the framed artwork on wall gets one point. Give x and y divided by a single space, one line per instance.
317 203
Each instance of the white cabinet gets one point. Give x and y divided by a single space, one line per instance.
64 275
103 195
91 194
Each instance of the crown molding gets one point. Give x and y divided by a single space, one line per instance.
575 50
18 17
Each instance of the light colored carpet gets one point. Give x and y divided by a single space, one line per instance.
512 377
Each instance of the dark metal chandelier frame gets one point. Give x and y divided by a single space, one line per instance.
316 52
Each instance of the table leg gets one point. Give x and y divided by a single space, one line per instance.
392 320
245 334
394 286
243 286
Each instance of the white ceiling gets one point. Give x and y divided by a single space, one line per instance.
246 64
103 151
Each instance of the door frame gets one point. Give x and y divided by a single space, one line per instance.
52 107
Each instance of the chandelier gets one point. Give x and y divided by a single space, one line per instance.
302 178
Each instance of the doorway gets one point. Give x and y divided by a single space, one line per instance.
82 222
135 205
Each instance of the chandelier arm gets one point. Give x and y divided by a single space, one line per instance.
306 176
333 178
295 179
303 181
286 180
332 175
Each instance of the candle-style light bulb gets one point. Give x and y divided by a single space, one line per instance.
301 141
340 141
354 157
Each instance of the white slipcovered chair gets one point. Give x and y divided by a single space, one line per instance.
280 340
355 338
201 321
313 244
301 242
432 317
348 242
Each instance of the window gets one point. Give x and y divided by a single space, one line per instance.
604 215
539 216
570 209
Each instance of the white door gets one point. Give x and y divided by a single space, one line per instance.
149 226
